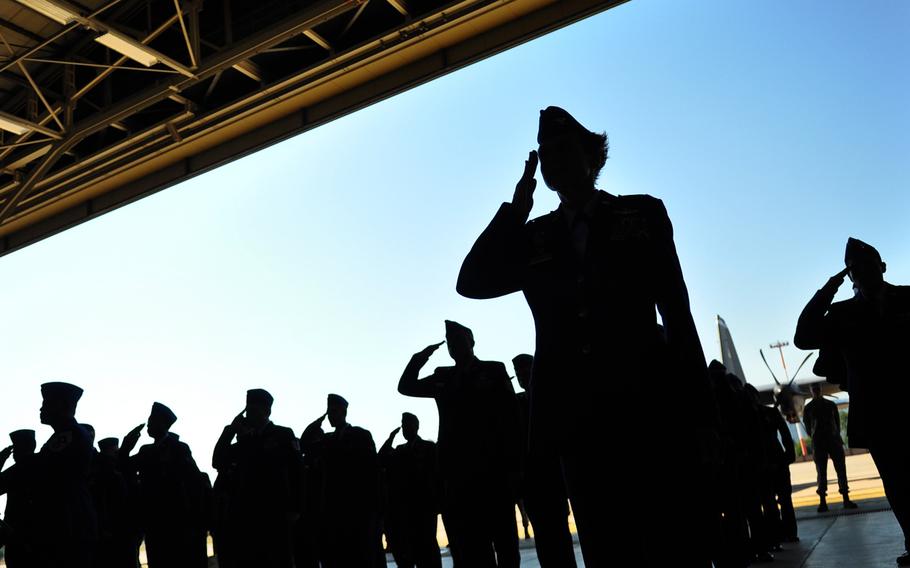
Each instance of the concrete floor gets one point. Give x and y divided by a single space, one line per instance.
866 538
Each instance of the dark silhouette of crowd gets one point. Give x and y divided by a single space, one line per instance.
595 272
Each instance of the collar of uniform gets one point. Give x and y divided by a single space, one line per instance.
590 207
263 428
470 365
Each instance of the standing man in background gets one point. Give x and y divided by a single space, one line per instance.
823 424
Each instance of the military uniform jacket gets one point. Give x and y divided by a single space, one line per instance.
64 511
265 471
780 452
170 485
17 483
822 421
413 477
478 416
349 471
594 312
865 352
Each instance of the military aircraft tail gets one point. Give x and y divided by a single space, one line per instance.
728 354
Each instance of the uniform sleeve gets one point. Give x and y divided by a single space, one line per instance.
785 437
495 263
223 457
811 328
809 419
510 421
410 385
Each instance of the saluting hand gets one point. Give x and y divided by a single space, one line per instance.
425 353
394 433
523 198
238 423
5 453
129 441
838 279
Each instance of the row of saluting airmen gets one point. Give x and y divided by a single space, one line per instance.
326 499
323 499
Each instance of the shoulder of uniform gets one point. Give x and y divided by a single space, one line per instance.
283 430
841 306
637 202
497 365
360 431
544 220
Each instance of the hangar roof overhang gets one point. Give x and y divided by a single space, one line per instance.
103 102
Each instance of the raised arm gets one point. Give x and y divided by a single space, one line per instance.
810 329
494 265
222 457
313 436
409 384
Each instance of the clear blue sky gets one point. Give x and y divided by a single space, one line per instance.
771 130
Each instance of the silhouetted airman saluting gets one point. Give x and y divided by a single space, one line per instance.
413 487
65 523
479 449
543 490
171 494
264 493
592 272
863 344
349 532
17 483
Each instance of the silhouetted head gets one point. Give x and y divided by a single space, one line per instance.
866 267
258 407
58 404
409 426
571 156
523 364
337 410
23 444
90 430
459 342
160 421
752 394
109 447
717 373
734 382
816 389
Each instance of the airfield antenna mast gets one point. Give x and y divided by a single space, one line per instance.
780 347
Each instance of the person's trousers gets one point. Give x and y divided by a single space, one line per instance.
547 506
893 462
836 452
783 488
